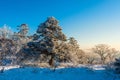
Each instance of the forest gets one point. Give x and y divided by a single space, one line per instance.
50 47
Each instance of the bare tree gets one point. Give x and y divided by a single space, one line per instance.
102 50
105 52
91 58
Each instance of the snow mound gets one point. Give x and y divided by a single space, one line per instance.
97 67
9 67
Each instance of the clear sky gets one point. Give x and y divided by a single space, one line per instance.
91 22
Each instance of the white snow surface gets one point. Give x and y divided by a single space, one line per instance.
95 72
9 67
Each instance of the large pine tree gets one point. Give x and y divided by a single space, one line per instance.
46 41
50 36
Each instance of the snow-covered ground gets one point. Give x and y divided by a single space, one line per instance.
9 67
95 72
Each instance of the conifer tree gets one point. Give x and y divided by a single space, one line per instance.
23 30
47 39
50 35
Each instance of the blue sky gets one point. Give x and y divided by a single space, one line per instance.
91 22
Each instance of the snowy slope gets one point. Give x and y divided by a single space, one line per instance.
59 74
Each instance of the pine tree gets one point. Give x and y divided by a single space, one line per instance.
23 30
21 36
117 66
74 50
46 40
50 37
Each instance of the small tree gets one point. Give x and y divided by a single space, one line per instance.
5 32
116 66
21 37
23 30
91 58
112 54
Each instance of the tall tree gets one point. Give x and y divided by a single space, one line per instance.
47 39
77 55
50 35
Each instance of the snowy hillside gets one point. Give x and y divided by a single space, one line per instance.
59 74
